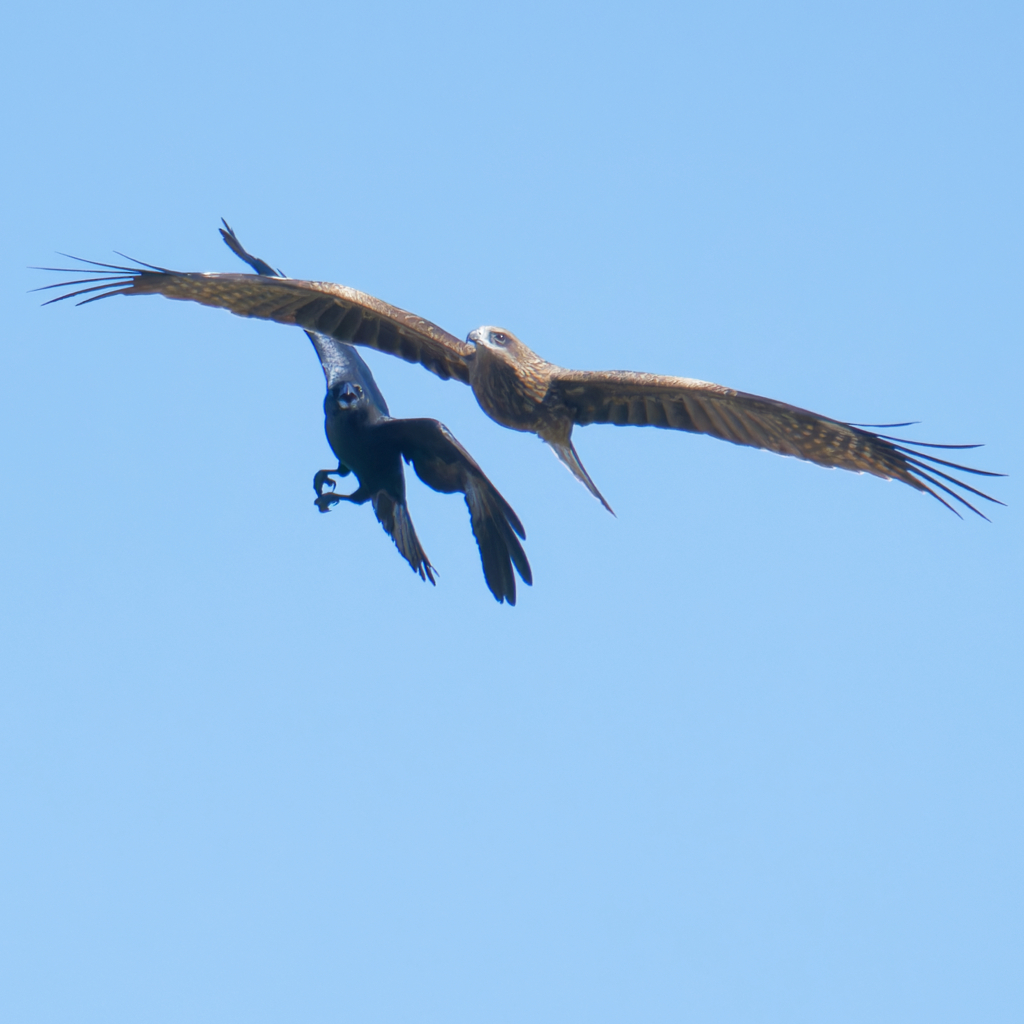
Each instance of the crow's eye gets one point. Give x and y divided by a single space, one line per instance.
359 390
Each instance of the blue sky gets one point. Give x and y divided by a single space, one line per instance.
750 751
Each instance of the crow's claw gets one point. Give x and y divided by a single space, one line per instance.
325 502
322 478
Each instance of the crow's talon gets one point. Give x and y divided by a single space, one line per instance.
325 502
323 477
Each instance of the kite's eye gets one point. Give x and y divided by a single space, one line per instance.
500 338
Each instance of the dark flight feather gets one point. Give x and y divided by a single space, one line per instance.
393 515
445 466
339 362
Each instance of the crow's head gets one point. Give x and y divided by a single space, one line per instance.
345 396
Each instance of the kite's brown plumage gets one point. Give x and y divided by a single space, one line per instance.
518 389
332 309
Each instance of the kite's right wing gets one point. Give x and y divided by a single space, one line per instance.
334 310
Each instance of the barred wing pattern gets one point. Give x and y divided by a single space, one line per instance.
333 309
681 403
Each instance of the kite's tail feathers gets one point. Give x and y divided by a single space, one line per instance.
394 517
569 458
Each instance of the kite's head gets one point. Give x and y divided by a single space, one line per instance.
500 344
494 339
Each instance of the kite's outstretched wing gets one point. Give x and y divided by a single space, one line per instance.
680 403
334 310
444 465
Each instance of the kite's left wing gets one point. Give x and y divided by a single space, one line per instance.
681 403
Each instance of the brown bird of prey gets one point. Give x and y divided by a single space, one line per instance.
520 390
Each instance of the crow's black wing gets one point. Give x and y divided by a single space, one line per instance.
261 267
393 515
340 362
444 465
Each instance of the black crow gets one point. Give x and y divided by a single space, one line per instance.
371 444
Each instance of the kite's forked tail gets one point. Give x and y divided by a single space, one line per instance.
569 458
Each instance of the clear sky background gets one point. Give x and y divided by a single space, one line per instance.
749 752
